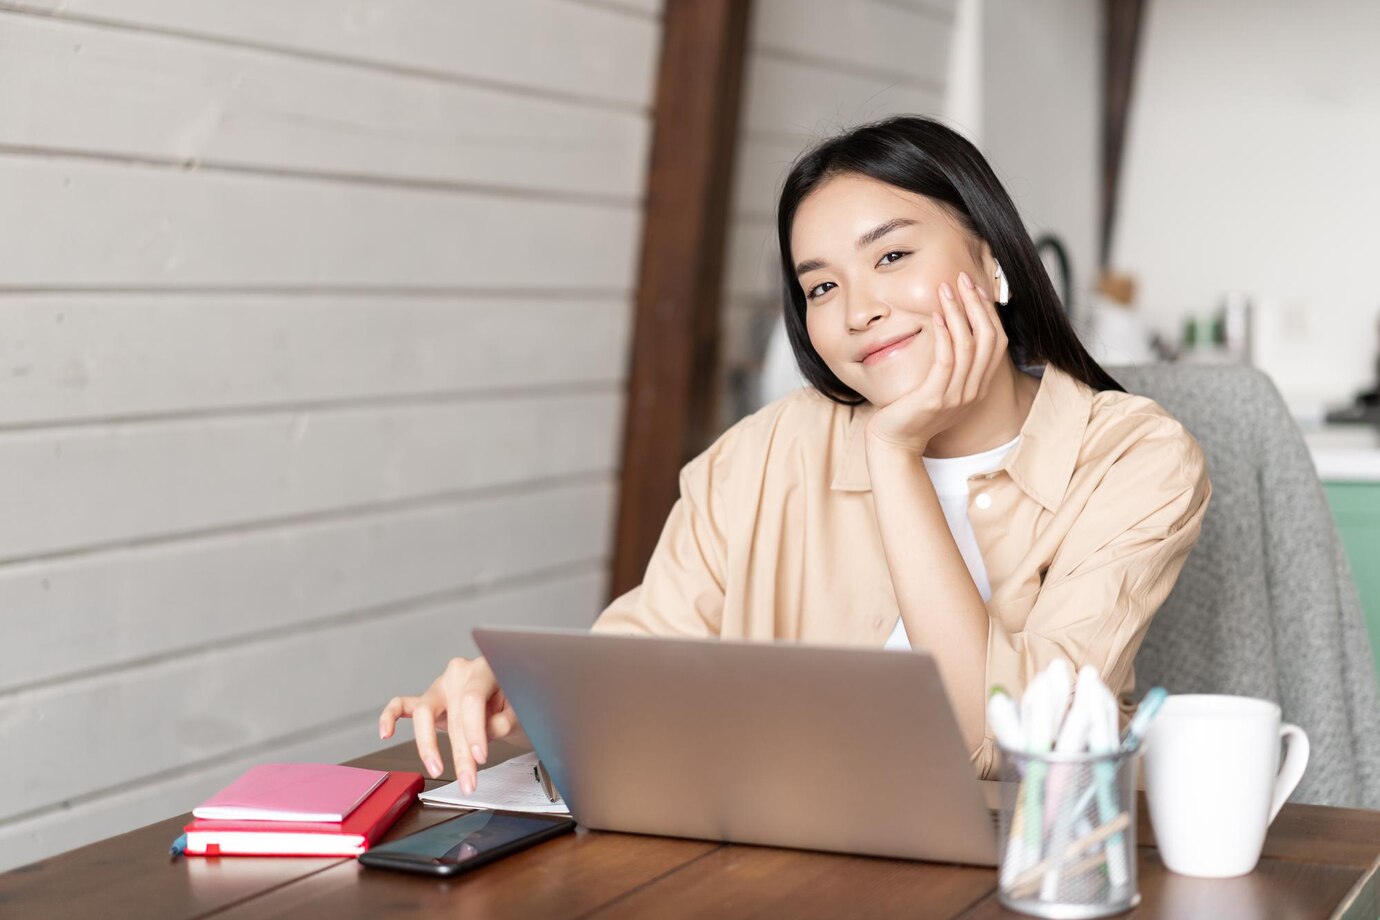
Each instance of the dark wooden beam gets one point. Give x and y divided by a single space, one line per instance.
1122 23
672 391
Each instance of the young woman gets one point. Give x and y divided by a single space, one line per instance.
960 476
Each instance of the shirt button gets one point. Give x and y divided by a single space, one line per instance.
983 501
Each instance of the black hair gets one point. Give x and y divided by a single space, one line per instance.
925 157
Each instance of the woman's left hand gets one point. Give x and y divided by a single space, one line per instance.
969 346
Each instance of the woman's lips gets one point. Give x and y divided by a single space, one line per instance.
884 353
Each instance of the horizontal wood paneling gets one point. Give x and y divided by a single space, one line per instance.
116 93
942 12
548 46
645 8
196 708
905 43
109 225
747 323
54 831
847 79
68 357
753 265
650 9
70 488
313 322
107 609
788 99
759 173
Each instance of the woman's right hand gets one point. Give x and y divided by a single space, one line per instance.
467 704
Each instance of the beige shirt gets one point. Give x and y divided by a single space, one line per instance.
1083 528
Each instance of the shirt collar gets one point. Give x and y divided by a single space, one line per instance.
1041 464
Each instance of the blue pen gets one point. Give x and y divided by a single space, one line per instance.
179 846
1140 722
1106 776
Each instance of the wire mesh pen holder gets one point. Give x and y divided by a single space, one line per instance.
1068 834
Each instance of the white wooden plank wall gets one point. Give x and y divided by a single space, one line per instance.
314 321
815 67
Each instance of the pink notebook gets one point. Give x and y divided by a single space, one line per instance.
292 792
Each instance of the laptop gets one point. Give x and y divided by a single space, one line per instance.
780 744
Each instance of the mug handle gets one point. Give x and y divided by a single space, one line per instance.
1291 771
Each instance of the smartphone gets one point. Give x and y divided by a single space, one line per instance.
465 843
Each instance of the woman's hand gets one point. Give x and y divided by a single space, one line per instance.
969 346
466 703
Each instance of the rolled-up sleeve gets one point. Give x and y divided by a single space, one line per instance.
682 592
1114 568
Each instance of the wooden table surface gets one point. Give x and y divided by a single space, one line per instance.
1318 862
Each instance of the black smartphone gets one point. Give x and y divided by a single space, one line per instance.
465 843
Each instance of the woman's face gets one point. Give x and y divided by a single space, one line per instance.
870 258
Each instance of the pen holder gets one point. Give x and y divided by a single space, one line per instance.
1068 834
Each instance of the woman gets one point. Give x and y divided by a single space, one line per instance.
959 477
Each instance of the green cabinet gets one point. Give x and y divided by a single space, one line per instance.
1356 506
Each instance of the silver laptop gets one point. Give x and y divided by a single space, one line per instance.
821 748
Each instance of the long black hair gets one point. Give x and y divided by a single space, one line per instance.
925 157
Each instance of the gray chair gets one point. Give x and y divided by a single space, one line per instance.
1266 605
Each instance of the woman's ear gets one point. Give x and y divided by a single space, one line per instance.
988 263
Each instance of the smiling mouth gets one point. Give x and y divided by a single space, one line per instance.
882 354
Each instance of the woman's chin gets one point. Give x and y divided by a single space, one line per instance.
882 389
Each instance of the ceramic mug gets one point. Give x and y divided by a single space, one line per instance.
1214 782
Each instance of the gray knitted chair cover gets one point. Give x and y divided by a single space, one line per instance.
1265 605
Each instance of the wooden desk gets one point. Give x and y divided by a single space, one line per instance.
1318 862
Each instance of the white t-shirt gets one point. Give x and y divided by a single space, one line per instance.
950 478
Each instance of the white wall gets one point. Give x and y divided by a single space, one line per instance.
814 68
313 328
1251 166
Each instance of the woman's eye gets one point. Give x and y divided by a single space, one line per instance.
818 290
887 259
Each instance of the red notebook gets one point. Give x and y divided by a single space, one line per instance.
292 792
359 831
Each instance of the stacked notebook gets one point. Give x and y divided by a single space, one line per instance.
301 809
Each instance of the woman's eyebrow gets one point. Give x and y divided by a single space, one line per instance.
867 239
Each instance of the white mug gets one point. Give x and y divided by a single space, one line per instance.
1214 782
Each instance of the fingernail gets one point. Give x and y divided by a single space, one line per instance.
433 766
467 784
964 280
946 291
982 291
478 754
383 732
938 318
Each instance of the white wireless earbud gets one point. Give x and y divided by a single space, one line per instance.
1003 289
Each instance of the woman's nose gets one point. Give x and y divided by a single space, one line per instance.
865 311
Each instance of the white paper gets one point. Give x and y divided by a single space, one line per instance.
509 786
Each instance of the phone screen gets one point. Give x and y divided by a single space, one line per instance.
466 839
